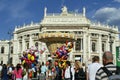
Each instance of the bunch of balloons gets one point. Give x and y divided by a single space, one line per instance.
63 52
30 56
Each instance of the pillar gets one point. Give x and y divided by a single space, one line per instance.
99 48
23 44
30 41
84 47
89 46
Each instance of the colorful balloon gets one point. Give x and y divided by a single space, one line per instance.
32 58
29 56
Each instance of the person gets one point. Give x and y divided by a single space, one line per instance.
0 70
84 67
108 63
25 71
79 72
4 75
43 71
69 71
10 71
18 72
93 67
58 72
34 69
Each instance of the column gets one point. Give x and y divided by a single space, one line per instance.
81 44
114 51
84 47
31 41
89 46
23 44
74 46
108 44
100 48
15 44
19 51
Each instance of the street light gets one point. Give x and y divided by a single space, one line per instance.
9 43
111 42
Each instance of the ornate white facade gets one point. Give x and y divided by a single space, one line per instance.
91 38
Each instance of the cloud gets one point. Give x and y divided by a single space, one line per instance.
108 15
117 1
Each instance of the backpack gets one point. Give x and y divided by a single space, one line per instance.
81 74
110 75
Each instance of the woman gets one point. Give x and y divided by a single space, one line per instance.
79 73
18 72
4 74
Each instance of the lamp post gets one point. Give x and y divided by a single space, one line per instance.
9 43
111 42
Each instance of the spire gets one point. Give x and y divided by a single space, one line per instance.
84 11
45 11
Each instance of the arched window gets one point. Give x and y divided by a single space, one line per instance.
78 44
2 49
36 44
93 46
27 45
11 49
103 47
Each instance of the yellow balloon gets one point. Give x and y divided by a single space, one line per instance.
60 65
23 62
32 58
69 50
29 56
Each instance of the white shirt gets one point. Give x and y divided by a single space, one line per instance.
0 68
67 72
43 69
92 69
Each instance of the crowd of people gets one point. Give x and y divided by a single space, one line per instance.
50 71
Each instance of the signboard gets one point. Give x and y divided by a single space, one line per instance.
118 56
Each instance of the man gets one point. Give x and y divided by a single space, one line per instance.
108 63
43 72
58 72
93 67
69 71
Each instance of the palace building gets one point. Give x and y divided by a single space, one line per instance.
89 38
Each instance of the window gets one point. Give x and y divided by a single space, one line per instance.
2 49
78 44
78 58
36 44
93 46
103 47
11 49
27 45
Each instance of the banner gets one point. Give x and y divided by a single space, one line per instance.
118 56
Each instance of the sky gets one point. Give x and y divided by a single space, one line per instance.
19 12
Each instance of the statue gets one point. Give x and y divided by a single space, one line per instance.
64 9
